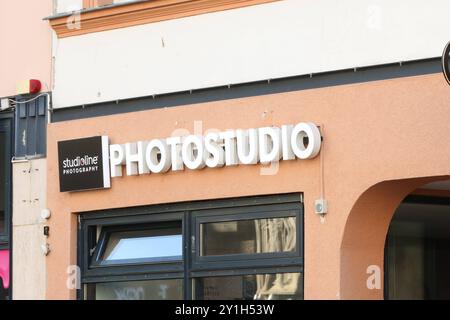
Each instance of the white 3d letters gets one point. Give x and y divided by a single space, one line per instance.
229 138
158 156
216 157
310 132
269 145
175 153
193 152
286 133
247 146
117 159
230 148
135 158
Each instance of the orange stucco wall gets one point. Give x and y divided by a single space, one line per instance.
373 132
365 233
25 44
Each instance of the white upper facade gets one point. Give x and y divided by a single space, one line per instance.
64 6
267 41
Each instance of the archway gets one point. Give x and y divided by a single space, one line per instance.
417 252
363 242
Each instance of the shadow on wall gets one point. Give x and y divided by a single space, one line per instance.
363 241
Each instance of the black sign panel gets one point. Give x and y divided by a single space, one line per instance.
84 164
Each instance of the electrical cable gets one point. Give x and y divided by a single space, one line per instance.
30 100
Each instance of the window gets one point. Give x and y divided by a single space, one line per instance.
249 248
152 243
248 236
165 289
281 286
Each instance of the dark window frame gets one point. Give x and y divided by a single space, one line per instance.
190 214
245 272
94 271
244 260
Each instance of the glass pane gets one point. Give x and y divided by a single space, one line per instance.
248 236
282 286
167 289
150 244
3 164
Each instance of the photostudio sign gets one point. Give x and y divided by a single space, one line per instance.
84 164
228 148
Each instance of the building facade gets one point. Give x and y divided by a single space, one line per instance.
245 149
25 55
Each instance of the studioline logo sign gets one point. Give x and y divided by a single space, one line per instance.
82 162
446 62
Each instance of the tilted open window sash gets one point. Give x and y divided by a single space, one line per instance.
151 243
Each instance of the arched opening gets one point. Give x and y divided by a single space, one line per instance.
364 238
417 250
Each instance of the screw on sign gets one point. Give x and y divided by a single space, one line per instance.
446 62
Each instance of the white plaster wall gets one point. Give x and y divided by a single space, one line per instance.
285 38
63 6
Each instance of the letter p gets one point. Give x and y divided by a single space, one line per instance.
117 159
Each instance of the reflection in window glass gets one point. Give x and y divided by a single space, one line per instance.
156 244
248 236
167 289
282 286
